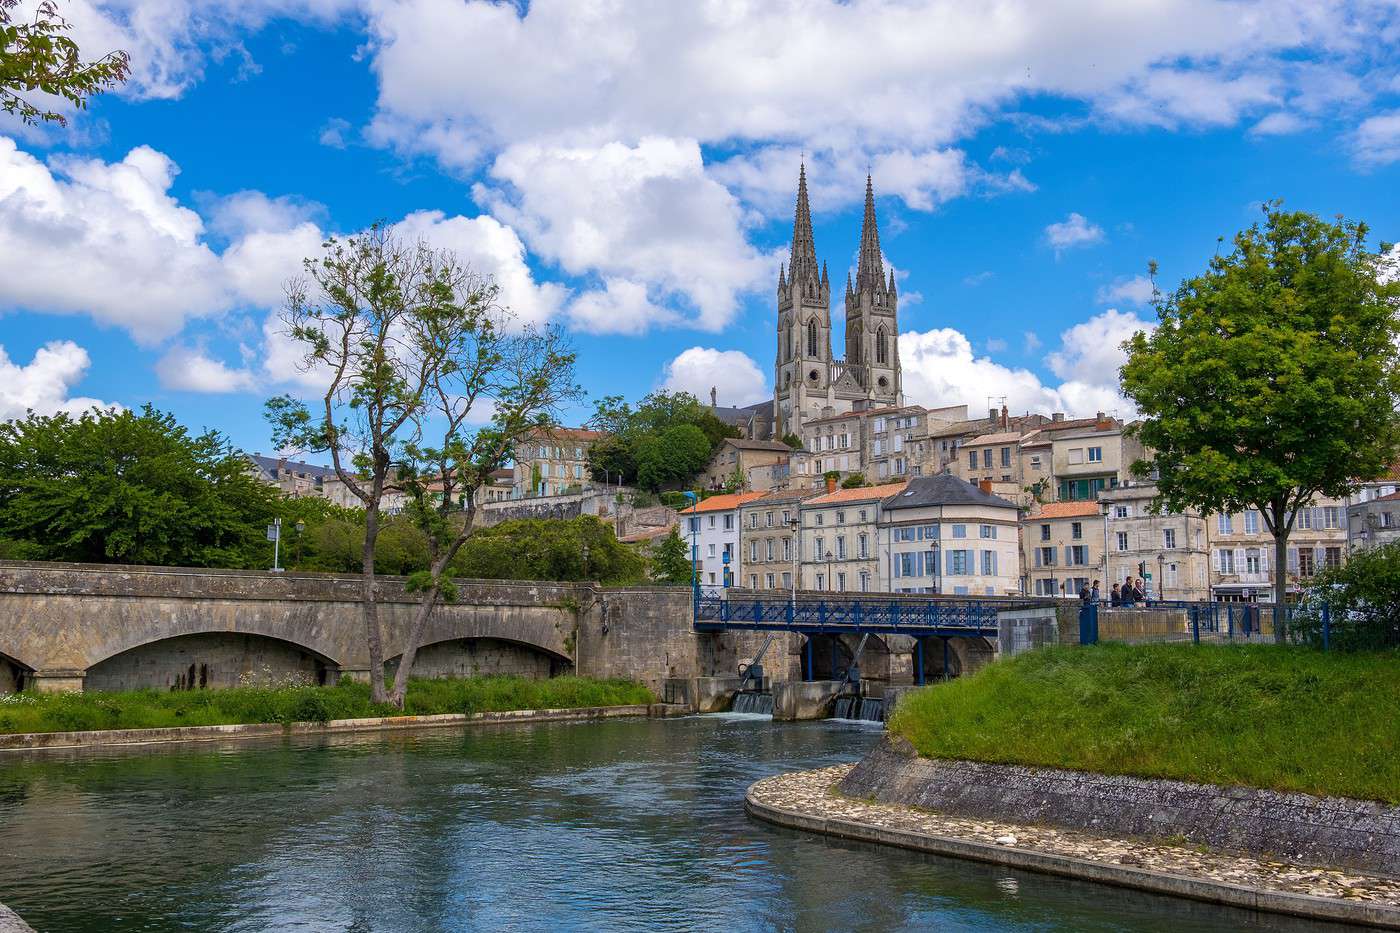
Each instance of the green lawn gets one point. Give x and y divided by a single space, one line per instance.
1264 716
152 709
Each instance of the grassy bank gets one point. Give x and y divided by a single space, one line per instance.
1263 716
155 709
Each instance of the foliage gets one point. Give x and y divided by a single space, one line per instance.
1260 715
672 499
38 55
159 709
1363 602
792 440
550 549
1273 377
129 488
736 481
854 481
639 436
670 561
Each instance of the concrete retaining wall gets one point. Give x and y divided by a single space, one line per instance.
1316 830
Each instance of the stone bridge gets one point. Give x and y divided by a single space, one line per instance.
70 626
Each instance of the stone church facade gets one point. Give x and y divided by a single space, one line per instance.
809 382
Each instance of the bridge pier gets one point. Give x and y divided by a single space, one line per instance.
800 700
58 680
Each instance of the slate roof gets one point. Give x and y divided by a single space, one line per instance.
273 466
943 489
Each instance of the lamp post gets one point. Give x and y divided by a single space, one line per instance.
829 585
794 525
694 521
300 527
274 534
1161 577
585 561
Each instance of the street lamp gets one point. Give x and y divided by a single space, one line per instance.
585 561
794 524
300 527
694 539
274 534
1161 576
829 585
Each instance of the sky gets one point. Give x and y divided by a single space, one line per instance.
626 170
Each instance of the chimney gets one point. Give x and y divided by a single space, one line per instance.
1058 416
992 415
831 484
1005 417
985 485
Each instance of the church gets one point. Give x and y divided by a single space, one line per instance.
808 381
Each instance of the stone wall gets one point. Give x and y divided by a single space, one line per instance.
211 660
1317 830
479 657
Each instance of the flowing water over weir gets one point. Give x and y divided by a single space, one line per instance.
870 709
751 701
612 825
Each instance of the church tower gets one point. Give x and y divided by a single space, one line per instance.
802 371
872 330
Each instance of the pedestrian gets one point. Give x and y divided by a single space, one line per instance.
1114 598
1084 594
1139 591
1128 591
1094 596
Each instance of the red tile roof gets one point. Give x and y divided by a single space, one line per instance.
860 494
724 502
1066 510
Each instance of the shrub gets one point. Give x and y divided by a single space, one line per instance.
1362 599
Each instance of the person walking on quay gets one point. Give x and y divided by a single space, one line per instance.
1115 599
1128 591
1084 595
1094 595
1139 591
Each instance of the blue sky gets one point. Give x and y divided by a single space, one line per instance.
629 175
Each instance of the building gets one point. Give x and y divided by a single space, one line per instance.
499 486
1062 549
768 542
1088 456
744 456
943 450
941 534
796 471
808 381
292 477
1242 549
552 461
1170 551
840 532
1373 522
711 528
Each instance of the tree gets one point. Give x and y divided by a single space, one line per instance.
1363 600
792 440
370 314
129 488
671 563
854 481
630 431
37 55
1272 378
736 481
550 549
671 457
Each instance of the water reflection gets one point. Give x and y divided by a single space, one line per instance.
623 825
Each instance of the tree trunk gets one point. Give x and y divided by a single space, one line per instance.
370 601
1280 583
415 637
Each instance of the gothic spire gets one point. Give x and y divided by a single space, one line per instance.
870 273
804 250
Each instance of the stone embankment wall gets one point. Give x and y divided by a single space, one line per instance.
1299 827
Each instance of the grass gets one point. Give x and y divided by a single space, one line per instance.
1262 716
156 709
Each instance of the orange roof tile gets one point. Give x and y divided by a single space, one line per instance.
859 494
724 502
1066 510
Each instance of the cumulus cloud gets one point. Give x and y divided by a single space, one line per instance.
1136 291
736 378
1075 230
1377 140
190 369
940 368
621 307
333 133
646 213
1279 123
44 384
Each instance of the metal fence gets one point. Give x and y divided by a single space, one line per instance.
1309 625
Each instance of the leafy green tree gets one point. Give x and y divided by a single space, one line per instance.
1272 378
671 457
792 440
671 561
854 481
130 488
1363 601
634 433
550 549
37 55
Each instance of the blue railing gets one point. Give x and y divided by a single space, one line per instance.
856 614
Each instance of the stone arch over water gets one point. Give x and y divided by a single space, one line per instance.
207 660
483 656
14 674
832 656
964 656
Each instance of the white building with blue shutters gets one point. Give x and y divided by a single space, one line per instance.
942 534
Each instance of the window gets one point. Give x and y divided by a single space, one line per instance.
1045 557
769 549
812 337
1006 456
712 551
841 583
1076 455
712 521
988 531
1304 519
753 551
1120 511
864 582
862 545
821 581
1122 540
729 522
1331 516
1251 560
1332 558
862 515
1169 538
787 517
1225 560
1096 455
1251 522
1076 530
821 549
929 532
787 549
768 519
958 562
989 563
821 518
1046 587
904 534
693 524
987 458
753 581
960 531
840 518
787 581
768 578
841 547
1045 532
1076 555
1224 523
972 459
1035 465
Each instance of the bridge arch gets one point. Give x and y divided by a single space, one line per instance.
211 660
483 656
14 674
831 656
949 656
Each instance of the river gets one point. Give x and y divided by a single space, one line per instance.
620 825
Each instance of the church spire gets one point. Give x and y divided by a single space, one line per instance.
870 273
804 249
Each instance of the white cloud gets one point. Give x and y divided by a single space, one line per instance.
736 378
1279 123
622 307
996 345
647 213
1377 140
245 212
1136 290
333 133
940 368
190 369
1032 341
43 385
1075 230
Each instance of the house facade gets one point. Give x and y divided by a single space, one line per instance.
711 529
840 537
941 534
